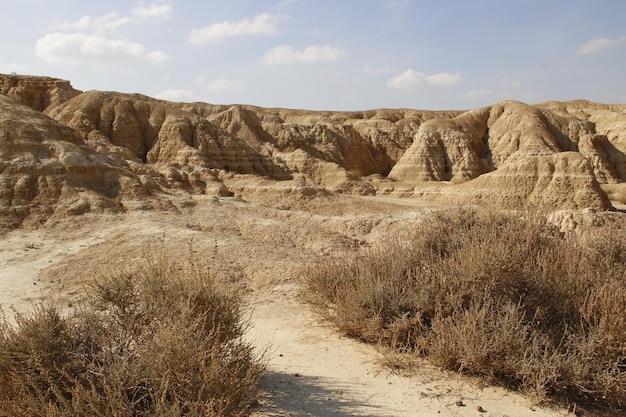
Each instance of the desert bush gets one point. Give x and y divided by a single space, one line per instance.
507 297
164 339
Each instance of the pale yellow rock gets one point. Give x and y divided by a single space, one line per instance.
47 169
553 155
38 93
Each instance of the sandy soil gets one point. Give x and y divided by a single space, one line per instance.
312 370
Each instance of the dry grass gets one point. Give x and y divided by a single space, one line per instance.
161 340
507 298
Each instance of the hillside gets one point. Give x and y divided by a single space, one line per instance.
96 183
71 152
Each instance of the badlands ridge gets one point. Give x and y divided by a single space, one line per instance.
64 152
302 185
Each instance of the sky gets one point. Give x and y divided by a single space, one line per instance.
325 54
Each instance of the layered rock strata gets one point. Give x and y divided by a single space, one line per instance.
53 138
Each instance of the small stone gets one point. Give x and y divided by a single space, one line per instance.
460 403
480 409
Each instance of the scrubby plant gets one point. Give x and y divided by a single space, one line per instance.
504 296
163 339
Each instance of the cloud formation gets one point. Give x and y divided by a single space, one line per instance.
10 67
479 94
173 94
598 44
89 42
411 79
369 70
262 24
159 11
286 54
107 23
224 84
95 51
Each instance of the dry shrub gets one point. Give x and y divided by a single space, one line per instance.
161 340
507 297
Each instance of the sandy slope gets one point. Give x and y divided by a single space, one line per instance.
313 371
24 254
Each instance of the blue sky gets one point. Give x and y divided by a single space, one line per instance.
325 54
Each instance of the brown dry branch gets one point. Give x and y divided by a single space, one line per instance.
161 340
506 297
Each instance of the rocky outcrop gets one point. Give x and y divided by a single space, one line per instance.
157 132
447 150
553 155
516 155
46 170
548 183
38 93
274 143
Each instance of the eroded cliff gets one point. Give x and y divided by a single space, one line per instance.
58 143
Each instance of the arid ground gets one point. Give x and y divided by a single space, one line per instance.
313 370
92 183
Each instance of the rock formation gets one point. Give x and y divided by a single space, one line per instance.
38 93
66 151
46 169
513 154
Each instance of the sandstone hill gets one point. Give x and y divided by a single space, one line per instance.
63 151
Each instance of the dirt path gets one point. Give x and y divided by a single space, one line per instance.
312 370
24 254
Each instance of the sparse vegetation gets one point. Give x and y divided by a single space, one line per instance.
161 340
505 297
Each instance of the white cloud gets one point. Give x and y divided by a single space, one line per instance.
175 95
107 23
263 24
223 84
411 79
11 67
159 10
599 44
530 96
483 96
95 51
368 70
514 83
444 78
285 54
479 94
220 84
